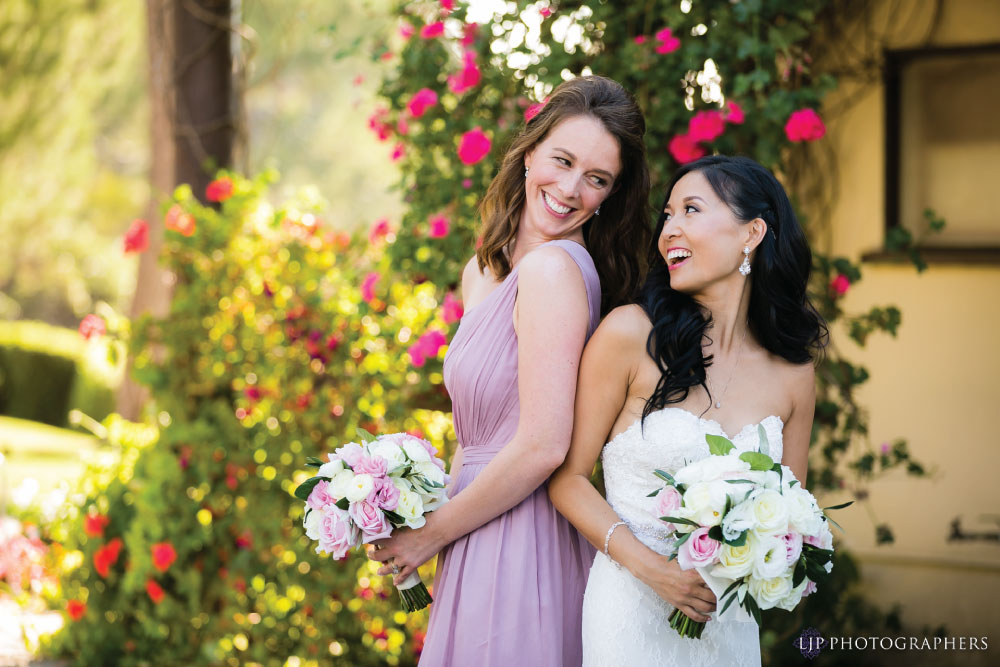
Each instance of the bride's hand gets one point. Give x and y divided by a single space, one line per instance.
684 589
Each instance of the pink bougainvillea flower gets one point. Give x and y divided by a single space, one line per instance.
92 325
137 237
468 77
406 30
421 101
220 189
432 30
451 309
368 287
378 124
76 609
466 183
685 149
94 525
804 125
667 42
533 110
402 127
469 33
380 229
179 221
426 347
840 284
439 226
640 39
545 12
734 113
163 555
473 146
398 151
447 6
154 591
706 126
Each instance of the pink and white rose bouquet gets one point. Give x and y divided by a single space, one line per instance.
366 490
751 530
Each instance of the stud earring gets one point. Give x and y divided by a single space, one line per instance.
598 211
526 171
745 266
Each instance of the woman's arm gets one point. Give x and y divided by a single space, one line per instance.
553 315
798 430
609 366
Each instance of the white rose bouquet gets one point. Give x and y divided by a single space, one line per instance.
366 490
750 529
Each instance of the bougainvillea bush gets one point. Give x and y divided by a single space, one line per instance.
285 334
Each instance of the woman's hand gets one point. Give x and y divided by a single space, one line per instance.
684 589
407 549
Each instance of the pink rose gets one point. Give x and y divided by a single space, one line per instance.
734 113
384 495
432 30
451 309
667 501
706 126
421 101
468 77
370 520
376 466
685 149
337 534
668 43
473 146
793 545
840 284
699 550
439 227
320 496
804 125
350 454
368 287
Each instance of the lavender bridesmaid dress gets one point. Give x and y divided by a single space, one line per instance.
510 593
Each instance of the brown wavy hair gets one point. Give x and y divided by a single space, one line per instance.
618 238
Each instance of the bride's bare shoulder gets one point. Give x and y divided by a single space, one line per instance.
624 329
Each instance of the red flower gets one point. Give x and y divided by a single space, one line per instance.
76 609
451 309
368 287
804 125
439 227
94 525
668 43
179 221
432 30
421 101
684 149
163 555
92 325
106 556
840 284
380 229
734 113
137 237
220 189
154 591
706 126
473 146
468 77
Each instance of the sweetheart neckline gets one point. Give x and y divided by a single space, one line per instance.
700 419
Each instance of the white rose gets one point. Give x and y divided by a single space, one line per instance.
770 556
415 450
769 511
390 451
359 488
340 483
710 468
312 522
734 562
411 509
767 593
803 512
706 501
792 600
330 469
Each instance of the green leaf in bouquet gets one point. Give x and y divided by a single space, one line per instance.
738 541
675 519
718 445
715 532
343 504
672 556
839 527
305 488
654 493
394 518
757 461
363 435
682 539
313 462
665 476
765 447
840 506
752 607
728 602
732 588
739 481
799 574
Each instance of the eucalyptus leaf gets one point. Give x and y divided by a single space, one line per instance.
765 447
665 476
839 507
674 519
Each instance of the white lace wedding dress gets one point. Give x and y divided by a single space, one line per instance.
625 623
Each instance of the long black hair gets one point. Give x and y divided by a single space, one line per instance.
780 314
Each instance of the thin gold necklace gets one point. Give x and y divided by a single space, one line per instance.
739 353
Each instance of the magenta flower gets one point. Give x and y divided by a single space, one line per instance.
734 113
421 101
380 229
426 347
439 227
533 110
804 125
545 12
473 146
398 151
432 30
468 77
447 6
406 30
684 149
469 34
640 39
706 126
451 309
840 284
137 237
466 183
368 287
668 43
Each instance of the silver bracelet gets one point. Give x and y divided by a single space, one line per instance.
607 538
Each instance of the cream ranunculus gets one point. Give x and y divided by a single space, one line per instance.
706 501
359 488
769 511
411 509
735 562
767 593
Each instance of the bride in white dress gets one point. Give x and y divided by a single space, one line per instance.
721 340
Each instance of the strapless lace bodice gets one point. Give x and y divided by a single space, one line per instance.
625 623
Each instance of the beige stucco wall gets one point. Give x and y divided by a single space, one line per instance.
937 384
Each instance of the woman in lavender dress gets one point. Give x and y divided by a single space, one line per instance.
566 216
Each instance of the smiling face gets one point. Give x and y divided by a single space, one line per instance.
571 172
702 239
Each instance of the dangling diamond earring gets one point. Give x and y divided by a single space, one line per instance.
745 266
526 171
598 211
